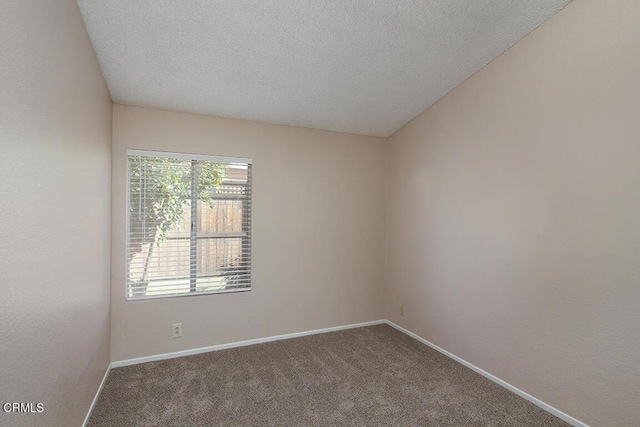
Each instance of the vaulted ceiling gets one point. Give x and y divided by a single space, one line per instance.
361 66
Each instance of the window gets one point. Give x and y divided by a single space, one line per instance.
189 224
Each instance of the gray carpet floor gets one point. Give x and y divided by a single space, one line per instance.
373 376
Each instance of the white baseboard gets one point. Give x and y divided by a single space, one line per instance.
95 398
539 403
218 347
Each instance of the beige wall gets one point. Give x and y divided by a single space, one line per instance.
55 136
514 216
317 263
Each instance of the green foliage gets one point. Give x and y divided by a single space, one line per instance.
160 190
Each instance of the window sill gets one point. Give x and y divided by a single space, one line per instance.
188 294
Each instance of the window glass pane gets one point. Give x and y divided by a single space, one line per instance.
159 198
166 255
221 260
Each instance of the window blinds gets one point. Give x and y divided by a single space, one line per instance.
189 224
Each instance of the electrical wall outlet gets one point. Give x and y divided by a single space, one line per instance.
176 330
402 310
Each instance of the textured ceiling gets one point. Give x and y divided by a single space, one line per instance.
361 66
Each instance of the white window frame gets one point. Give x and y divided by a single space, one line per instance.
188 156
